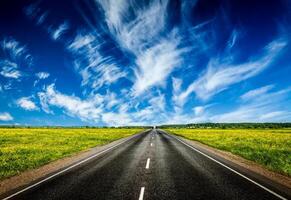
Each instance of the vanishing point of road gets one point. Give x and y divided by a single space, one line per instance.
150 165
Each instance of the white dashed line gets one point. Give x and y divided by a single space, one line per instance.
151 144
141 193
148 163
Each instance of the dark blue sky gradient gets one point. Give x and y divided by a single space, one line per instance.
106 62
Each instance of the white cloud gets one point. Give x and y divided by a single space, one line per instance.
107 74
158 102
114 12
219 75
275 115
253 114
82 40
116 119
12 57
156 64
134 31
5 116
42 75
26 103
95 69
179 97
15 51
43 99
7 86
60 30
111 99
265 107
156 106
242 114
89 109
176 83
9 69
109 108
256 92
140 33
179 118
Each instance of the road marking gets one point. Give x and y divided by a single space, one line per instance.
151 144
236 172
141 193
68 168
148 163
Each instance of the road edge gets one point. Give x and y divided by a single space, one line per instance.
28 178
241 165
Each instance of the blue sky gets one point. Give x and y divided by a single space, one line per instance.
134 62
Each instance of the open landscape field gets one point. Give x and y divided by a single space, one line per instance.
268 147
28 148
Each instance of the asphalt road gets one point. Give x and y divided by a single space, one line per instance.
152 165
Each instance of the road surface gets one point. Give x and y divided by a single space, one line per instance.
152 165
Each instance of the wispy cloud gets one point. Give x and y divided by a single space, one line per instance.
60 30
156 64
95 69
276 115
139 30
5 116
252 114
13 56
156 106
267 106
219 74
256 92
88 109
107 74
26 103
34 12
117 119
103 108
177 100
141 33
42 75
9 69
15 51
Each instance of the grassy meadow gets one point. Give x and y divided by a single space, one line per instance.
268 147
27 148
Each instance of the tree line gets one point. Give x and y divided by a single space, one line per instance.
230 125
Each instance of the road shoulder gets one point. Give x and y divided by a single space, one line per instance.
15 183
253 170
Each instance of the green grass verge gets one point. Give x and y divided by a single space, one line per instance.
268 147
22 149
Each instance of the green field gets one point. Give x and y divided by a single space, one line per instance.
23 148
268 147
